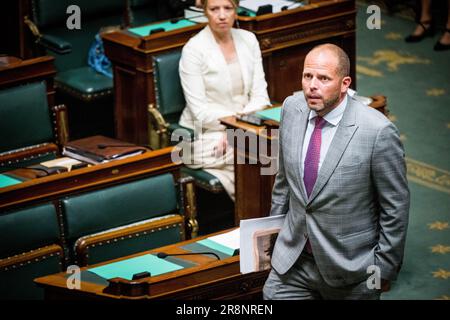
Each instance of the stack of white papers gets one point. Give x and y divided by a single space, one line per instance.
195 14
229 239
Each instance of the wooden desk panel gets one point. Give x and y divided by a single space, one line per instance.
57 185
284 38
209 279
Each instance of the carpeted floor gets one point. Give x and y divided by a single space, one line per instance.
416 81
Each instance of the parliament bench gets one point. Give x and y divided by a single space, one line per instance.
92 226
111 222
31 247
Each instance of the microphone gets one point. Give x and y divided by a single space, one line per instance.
287 7
163 255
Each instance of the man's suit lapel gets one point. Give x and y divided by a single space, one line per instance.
344 134
299 130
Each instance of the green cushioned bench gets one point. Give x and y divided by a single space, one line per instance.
128 218
30 248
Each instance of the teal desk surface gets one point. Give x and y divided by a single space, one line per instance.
127 268
270 114
217 246
169 26
166 25
6 181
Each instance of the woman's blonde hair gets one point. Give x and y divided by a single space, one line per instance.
234 2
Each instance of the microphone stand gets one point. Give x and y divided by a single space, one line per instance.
163 255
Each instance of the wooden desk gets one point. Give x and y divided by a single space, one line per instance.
209 279
55 186
252 189
285 38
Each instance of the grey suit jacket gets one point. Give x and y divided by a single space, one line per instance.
357 214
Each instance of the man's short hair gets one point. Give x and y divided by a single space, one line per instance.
343 67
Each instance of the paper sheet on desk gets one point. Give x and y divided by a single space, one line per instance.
253 5
257 239
127 268
226 243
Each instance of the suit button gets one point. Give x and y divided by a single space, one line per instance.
308 210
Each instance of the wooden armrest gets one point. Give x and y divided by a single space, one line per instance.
189 203
159 136
162 125
61 127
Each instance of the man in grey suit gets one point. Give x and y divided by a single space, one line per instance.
342 186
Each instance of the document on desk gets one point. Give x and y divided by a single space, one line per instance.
66 162
224 245
195 14
227 242
270 114
257 239
253 5
127 268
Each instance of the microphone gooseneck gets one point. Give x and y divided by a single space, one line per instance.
163 255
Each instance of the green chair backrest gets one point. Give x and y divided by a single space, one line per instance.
22 232
103 209
168 91
27 229
50 16
54 13
120 206
25 118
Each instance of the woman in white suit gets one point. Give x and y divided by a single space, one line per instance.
222 75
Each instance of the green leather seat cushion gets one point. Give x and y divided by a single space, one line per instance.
25 118
205 178
119 205
84 81
27 229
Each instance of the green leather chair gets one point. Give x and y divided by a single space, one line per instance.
30 239
31 131
87 93
124 219
215 208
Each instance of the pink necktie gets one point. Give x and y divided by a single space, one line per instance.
311 166
313 156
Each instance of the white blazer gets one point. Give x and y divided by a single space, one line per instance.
206 80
